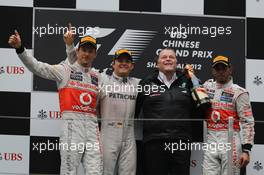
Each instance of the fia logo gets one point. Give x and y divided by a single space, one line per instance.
258 166
142 37
42 114
258 80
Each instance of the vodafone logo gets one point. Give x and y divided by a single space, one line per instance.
215 116
85 98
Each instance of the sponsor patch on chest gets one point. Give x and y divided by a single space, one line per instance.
94 79
183 85
122 96
210 93
76 76
226 97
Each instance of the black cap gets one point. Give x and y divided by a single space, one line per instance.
221 59
88 40
123 52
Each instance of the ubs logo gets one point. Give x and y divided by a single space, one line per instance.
258 166
15 70
193 163
11 156
42 114
2 70
258 80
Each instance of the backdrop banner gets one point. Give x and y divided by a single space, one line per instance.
196 39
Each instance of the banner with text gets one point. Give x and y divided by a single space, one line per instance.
196 39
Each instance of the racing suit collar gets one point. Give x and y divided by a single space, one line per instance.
120 79
220 86
81 68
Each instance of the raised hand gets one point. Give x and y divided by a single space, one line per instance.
244 159
15 40
68 37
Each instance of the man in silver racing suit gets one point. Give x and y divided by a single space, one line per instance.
227 100
78 91
117 108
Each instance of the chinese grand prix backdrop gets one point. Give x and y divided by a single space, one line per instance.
30 120
196 39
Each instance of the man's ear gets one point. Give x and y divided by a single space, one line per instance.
112 63
77 51
132 66
157 65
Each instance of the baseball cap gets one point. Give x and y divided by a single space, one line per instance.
221 59
123 52
88 40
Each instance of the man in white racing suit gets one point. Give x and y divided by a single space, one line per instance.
78 91
117 108
227 100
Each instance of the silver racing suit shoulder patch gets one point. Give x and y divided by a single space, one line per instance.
94 79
